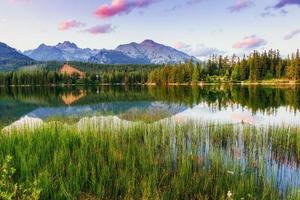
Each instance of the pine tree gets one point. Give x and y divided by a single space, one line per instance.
236 75
173 72
279 70
291 69
196 74
253 68
14 79
297 65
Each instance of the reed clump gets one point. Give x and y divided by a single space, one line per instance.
150 161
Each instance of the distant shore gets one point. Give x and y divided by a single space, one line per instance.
262 82
244 83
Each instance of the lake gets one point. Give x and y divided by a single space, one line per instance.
250 138
255 105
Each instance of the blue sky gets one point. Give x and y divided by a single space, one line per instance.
198 27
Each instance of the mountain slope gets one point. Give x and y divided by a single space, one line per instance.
73 53
45 53
65 51
153 52
11 59
114 57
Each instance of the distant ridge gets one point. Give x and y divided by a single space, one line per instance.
65 51
10 58
115 57
146 52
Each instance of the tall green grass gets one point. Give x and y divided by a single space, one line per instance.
150 161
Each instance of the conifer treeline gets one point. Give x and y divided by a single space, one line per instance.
48 74
44 77
255 67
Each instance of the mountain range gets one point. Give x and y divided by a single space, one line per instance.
10 58
66 51
146 52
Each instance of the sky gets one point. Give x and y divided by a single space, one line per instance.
197 27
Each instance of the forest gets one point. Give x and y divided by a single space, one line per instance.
257 66
95 74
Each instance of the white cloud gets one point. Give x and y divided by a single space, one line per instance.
200 51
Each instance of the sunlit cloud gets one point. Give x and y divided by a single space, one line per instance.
292 34
100 29
182 46
240 5
250 42
119 7
67 25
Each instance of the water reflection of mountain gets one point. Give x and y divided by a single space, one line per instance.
111 108
12 110
18 101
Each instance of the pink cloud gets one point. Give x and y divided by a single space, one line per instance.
118 7
181 45
19 1
66 25
240 5
100 29
292 34
250 42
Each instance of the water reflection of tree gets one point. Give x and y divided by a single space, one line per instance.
255 98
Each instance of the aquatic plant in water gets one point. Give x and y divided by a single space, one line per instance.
164 160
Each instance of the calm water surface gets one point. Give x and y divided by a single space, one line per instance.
250 105
254 105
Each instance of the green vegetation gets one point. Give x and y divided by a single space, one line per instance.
10 190
147 116
93 68
255 68
48 74
153 161
113 75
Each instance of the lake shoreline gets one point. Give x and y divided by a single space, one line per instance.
245 83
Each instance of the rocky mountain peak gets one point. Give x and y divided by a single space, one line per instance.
67 45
